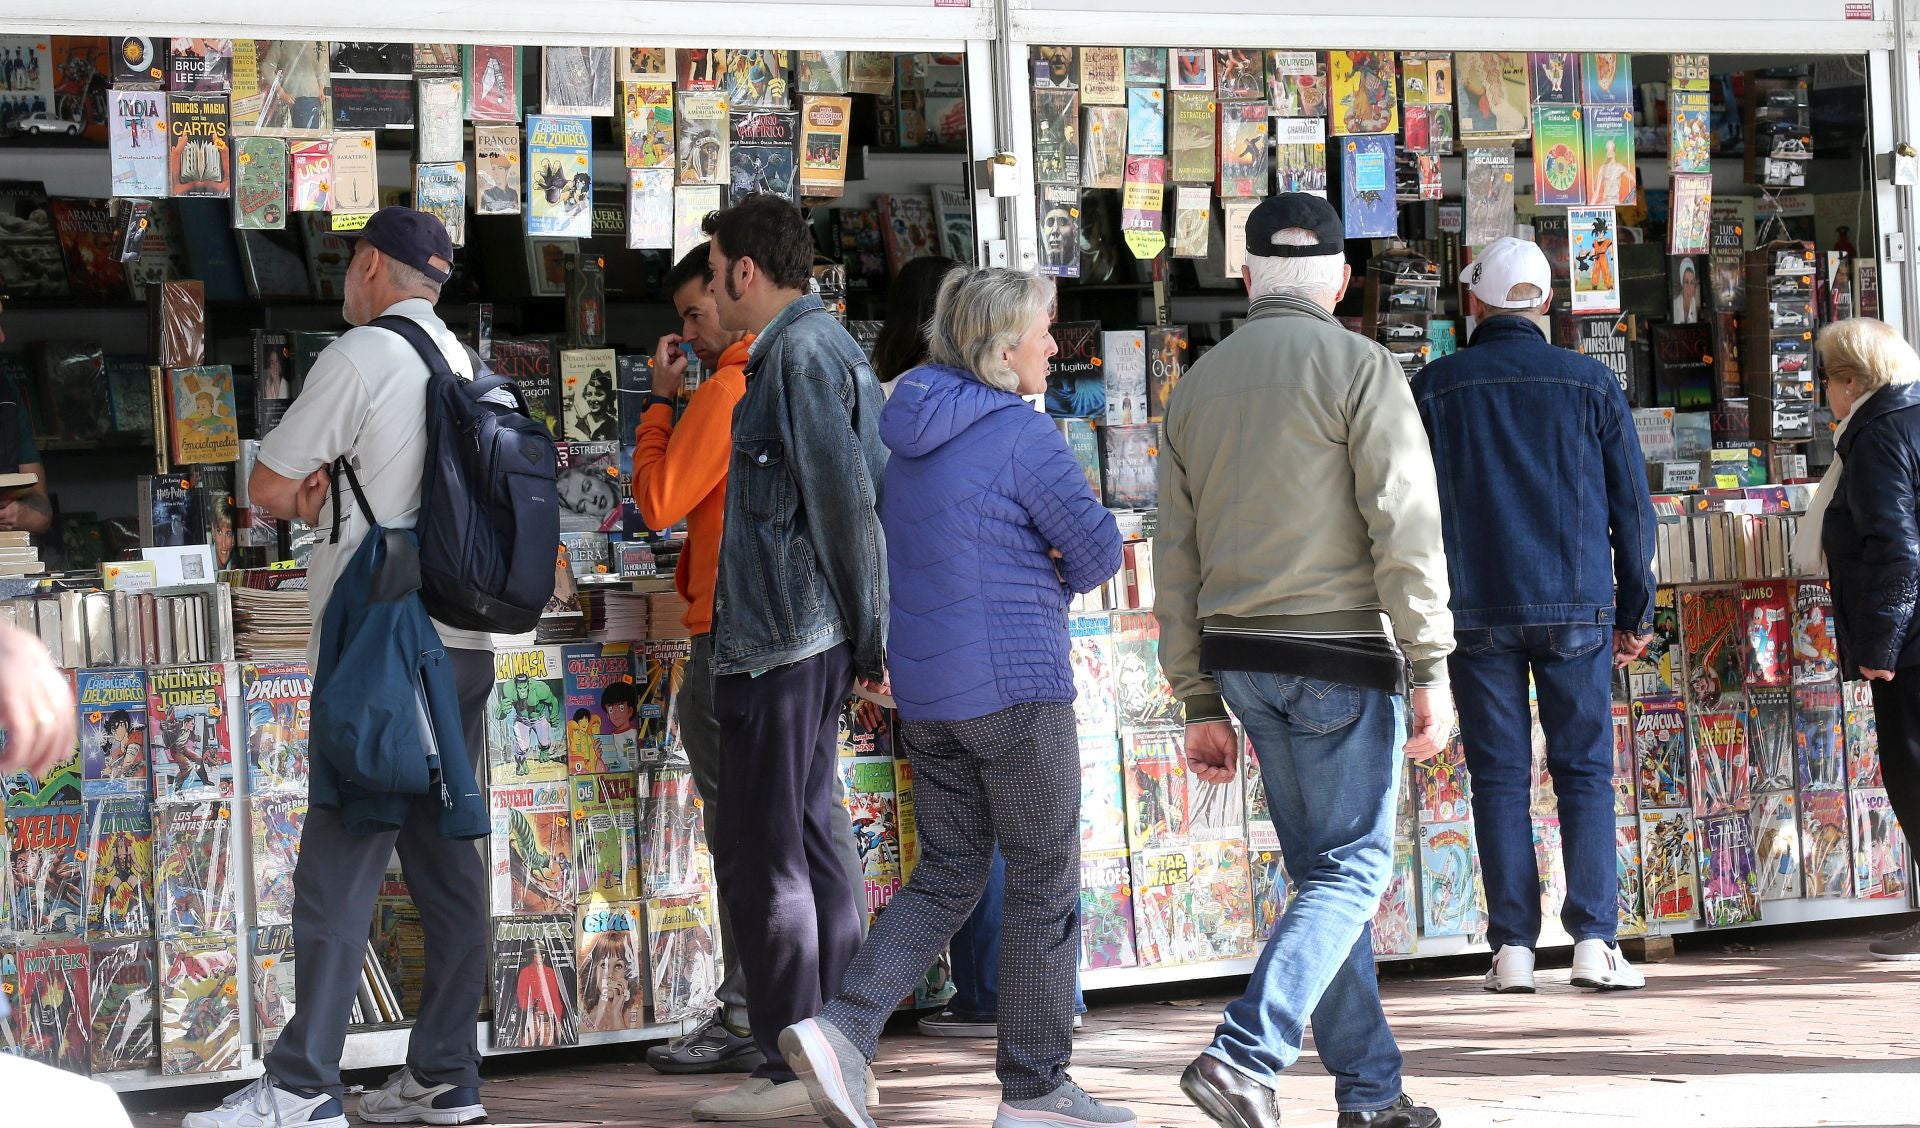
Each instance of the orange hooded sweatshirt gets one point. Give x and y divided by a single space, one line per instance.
680 472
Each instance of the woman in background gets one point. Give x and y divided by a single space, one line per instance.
902 343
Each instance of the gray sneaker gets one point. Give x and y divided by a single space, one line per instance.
1903 945
1069 1106
713 1048
834 1072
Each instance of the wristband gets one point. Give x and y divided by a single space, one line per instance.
655 397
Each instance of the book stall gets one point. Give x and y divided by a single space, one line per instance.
1705 215
173 264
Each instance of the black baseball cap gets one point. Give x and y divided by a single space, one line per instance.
412 238
1295 210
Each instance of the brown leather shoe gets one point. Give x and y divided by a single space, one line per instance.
1229 1096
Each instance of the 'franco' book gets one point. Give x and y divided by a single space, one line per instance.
496 170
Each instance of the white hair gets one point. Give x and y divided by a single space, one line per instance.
1315 278
979 314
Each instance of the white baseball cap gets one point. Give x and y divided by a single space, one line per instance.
1503 264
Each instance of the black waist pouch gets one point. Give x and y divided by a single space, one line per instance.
1363 662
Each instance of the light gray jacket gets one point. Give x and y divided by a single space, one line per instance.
1296 493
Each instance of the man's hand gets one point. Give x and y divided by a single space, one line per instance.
1212 752
881 686
312 495
669 366
1431 723
1871 674
36 708
1628 646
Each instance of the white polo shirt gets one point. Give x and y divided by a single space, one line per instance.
365 399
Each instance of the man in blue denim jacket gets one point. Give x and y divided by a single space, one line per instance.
799 612
1550 540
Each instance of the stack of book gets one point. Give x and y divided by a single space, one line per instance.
18 557
271 616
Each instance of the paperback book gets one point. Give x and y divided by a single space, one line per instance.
559 176
439 135
576 81
1722 775
47 892
194 882
702 140
277 821
1489 190
647 120
1771 738
1300 155
1146 121
1367 203
683 955
1297 84
1193 138
1103 808
496 170
138 143
441 190
1450 881
490 78
1243 150
1880 865
824 124
1776 846
606 842
1362 92
1825 834
764 153
199 154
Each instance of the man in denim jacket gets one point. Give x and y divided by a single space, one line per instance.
1550 539
799 612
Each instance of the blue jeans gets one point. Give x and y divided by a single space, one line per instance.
975 951
1572 668
1330 756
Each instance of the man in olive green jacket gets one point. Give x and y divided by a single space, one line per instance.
1299 547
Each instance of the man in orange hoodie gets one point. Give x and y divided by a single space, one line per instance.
680 473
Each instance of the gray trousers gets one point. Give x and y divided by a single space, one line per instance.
1013 776
334 885
700 735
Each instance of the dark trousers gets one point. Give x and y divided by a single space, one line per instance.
1572 668
796 910
1896 710
975 952
334 886
700 735
1013 775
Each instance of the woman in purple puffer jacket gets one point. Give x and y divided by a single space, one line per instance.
991 528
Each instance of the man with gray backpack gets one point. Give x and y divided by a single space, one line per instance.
441 461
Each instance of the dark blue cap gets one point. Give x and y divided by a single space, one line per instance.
412 238
1295 210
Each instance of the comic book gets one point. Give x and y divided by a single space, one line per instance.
1880 854
49 997
1766 607
606 842
1155 774
535 984
1722 773
277 820
1776 845
1626 766
532 848
683 955
1669 863
764 153
119 865
123 1007
46 886
1550 865
1362 87
1260 831
666 664
193 869
1814 656
559 175
1221 902
868 729
271 963
1395 923
1492 90
1145 699
278 700
910 829
1819 725
1712 648
1825 852
191 733
1103 809
1269 891
113 732
1440 789
1770 738
1728 889
1163 926
1863 736
876 826
601 707
200 1005
59 785
399 939
1215 811
1449 881
610 955
1632 918
1090 654
1660 744
671 855
1106 911
525 730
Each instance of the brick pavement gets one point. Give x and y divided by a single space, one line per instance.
1767 1031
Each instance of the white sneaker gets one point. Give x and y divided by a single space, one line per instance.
1599 965
405 1100
264 1104
1512 971
757 1098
